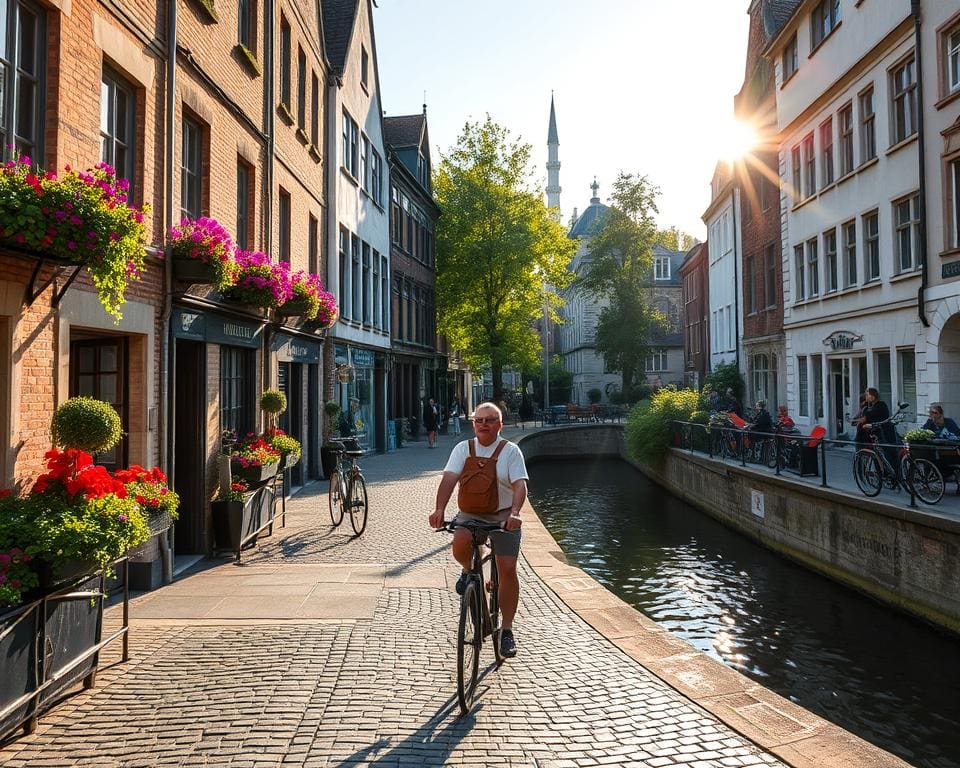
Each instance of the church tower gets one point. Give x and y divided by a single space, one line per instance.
553 163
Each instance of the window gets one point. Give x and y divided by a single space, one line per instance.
795 162
384 294
662 268
313 245
884 385
367 298
99 369
952 52
751 289
813 268
283 211
826 150
23 78
904 101
396 218
247 24
117 109
315 111
376 178
810 167
191 169
357 286
803 389
871 240
790 58
770 266
818 386
830 260
376 289
906 219
236 389
868 127
284 61
656 360
953 198
907 369
350 139
244 188
761 378
824 20
850 254
799 266
364 176
301 89
364 67
845 120
731 328
344 256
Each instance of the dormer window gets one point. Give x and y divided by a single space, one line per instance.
661 266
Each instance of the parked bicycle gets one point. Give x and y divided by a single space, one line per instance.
479 615
348 489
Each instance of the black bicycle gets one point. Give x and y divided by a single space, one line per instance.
479 615
348 489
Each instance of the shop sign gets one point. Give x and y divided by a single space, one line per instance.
189 325
362 358
841 340
291 349
950 269
215 329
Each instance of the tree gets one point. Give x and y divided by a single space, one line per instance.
498 249
621 272
676 240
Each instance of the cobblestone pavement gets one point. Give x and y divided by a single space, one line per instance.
380 692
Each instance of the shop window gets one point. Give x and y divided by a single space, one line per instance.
98 369
803 389
884 384
236 390
907 374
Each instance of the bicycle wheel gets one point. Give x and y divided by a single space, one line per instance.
335 499
357 494
494 603
770 455
926 480
469 640
867 472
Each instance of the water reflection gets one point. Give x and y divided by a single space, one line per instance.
890 679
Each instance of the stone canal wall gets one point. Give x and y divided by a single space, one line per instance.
907 558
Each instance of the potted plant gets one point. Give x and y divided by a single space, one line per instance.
289 447
273 402
148 487
86 424
328 455
76 218
309 299
255 460
203 253
260 282
239 514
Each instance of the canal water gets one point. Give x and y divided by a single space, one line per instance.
890 679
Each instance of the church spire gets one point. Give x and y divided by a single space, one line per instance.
553 163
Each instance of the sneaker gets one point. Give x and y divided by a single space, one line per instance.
461 585
508 646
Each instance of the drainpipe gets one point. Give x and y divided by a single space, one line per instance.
921 152
166 369
736 284
269 127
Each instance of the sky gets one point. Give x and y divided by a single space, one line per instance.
640 86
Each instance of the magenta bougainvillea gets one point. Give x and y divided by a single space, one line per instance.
260 282
206 240
320 303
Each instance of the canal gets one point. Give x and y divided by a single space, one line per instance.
886 677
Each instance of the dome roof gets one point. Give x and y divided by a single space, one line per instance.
590 220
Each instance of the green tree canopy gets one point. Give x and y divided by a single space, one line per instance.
498 248
621 272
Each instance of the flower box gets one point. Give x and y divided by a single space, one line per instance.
194 271
289 460
294 308
73 626
18 664
256 474
237 522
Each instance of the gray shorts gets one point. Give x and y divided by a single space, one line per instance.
505 543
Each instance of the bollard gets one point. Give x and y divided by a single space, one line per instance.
823 463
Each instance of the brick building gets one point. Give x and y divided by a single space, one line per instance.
694 273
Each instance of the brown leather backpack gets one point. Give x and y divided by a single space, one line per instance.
478 493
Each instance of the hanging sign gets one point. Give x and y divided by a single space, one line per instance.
291 349
841 340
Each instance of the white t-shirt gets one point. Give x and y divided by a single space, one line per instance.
510 465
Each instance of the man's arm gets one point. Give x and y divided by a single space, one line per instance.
516 504
447 483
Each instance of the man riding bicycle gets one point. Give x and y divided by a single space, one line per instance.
511 492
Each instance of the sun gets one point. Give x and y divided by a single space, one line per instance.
734 139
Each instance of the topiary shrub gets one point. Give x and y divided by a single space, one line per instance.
87 424
273 401
648 428
594 396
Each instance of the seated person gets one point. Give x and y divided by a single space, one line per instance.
762 421
784 422
942 427
730 404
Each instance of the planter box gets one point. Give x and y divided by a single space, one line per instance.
328 460
289 460
295 308
193 271
256 475
18 664
236 521
73 626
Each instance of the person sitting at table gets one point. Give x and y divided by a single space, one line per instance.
784 422
943 427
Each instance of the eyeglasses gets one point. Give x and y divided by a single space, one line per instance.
487 420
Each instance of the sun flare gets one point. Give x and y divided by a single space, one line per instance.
734 139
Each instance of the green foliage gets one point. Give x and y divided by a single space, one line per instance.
331 409
648 430
87 424
725 376
636 394
621 271
594 396
561 380
700 416
273 401
286 445
675 240
919 435
497 248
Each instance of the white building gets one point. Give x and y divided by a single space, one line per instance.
723 236
358 226
852 258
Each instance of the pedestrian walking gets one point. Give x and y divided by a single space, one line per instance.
430 419
475 456
455 417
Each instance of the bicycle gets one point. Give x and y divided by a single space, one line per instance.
348 489
478 617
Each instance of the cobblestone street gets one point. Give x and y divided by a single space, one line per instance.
321 649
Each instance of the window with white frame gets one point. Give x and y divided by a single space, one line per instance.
826 152
809 166
364 174
662 268
871 242
731 329
656 361
906 220
845 120
953 201
376 177
117 114
831 277
799 267
791 61
904 90
344 255
907 370
952 58
384 294
351 140
850 254
356 285
796 177
803 387
813 268
761 378
868 126
823 20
